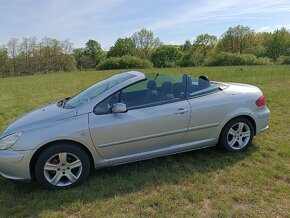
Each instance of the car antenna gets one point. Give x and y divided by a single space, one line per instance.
156 76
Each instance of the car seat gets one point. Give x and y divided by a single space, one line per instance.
166 91
151 93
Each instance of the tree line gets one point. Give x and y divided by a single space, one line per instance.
239 45
30 56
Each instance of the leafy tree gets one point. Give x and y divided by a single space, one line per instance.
239 45
191 59
51 55
25 53
79 55
234 59
145 42
28 56
278 44
94 51
261 41
283 60
166 56
238 39
66 47
4 62
186 46
12 48
86 62
123 47
205 43
124 62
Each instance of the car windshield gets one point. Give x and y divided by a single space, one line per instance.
95 90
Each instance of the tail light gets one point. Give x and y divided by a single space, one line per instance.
261 101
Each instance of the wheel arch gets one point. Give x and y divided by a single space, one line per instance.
45 146
251 119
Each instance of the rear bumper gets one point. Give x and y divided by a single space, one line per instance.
262 119
15 164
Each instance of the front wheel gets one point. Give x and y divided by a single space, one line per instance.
62 166
237 135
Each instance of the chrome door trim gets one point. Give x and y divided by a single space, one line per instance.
210 125
143 138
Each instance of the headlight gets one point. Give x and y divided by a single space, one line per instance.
9 140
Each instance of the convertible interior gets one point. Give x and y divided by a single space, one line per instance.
167 91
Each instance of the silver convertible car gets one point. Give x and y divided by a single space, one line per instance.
127 118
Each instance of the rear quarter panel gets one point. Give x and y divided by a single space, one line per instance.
210 113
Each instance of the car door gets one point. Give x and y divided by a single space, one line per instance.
207 112
144 127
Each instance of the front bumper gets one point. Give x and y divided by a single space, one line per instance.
262 119
15 164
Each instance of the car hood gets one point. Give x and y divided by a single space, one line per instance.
239 88
40 117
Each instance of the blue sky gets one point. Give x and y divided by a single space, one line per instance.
173 21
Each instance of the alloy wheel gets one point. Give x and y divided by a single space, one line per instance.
63 169
238 135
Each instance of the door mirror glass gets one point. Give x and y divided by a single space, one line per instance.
119 108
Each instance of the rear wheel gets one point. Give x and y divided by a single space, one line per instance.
62 166
237 135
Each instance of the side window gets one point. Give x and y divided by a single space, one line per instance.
105 106
135 94
151 92
200 86
154 91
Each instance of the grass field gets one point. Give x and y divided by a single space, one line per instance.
204 183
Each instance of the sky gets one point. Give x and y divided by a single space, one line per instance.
173 21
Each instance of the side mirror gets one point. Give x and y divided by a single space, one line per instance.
119 108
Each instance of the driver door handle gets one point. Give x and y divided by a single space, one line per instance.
181 111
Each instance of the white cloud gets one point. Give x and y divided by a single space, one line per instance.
269 29
105 20
287 26
212 11
174 42
265 29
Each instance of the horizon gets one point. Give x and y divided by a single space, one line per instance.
172 21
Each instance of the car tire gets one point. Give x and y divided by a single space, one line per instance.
62 166
237 135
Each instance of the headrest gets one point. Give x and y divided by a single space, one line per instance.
151 85
189 81
184 78
204 78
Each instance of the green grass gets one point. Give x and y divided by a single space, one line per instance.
204 183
